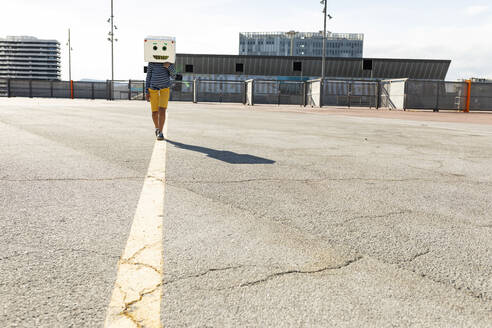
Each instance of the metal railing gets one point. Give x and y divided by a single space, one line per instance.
436 95
481 96
219 91
109 90
279 92
182 91
399 94
350 93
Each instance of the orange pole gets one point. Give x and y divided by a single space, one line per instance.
71 88
468 96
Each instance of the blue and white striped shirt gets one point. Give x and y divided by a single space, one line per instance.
159 77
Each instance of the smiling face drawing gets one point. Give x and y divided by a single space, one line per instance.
160 50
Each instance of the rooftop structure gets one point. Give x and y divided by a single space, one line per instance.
308 44
242 67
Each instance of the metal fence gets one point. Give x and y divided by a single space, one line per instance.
279 92
481 96
348 93
220 91
392 94
3 88
182 91
110 90
436 95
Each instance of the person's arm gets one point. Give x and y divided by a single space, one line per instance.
171 68
149 77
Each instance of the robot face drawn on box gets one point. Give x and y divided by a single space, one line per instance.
160 49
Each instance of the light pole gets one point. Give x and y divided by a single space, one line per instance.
325 3
112 42
69 57
112 39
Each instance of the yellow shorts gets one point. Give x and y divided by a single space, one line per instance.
159 98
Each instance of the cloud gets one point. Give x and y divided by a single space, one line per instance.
464 45
477 10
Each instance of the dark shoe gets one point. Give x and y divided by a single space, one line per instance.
160 136
157 132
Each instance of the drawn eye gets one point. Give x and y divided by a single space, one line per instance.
164 48
155 47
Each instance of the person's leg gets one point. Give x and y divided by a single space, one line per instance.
162 118
163 101
155 118
154 104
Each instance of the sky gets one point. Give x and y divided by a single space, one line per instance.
432 29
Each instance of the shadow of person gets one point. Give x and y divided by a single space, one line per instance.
223 155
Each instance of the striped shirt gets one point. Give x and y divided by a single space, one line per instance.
159 77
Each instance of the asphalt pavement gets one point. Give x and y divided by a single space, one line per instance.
273 217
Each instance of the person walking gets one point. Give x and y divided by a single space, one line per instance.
157 86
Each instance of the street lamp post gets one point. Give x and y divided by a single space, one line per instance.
325 2
69 57
112 42
112 39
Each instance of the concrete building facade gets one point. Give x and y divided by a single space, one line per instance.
310 44
26 57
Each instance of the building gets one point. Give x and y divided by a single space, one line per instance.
241 68
308 44
26 57
480 80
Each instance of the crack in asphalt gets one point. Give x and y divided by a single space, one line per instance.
279 274
156 178
131 260
300 180
371 217
267 278
139 251
482 296
70 179
322 180
415 256
207 272
127 311
58 250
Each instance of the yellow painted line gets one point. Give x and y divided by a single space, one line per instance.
136 298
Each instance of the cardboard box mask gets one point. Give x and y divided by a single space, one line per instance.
160 49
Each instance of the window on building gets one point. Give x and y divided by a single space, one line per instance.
297 66
239 67
189 68
367 64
